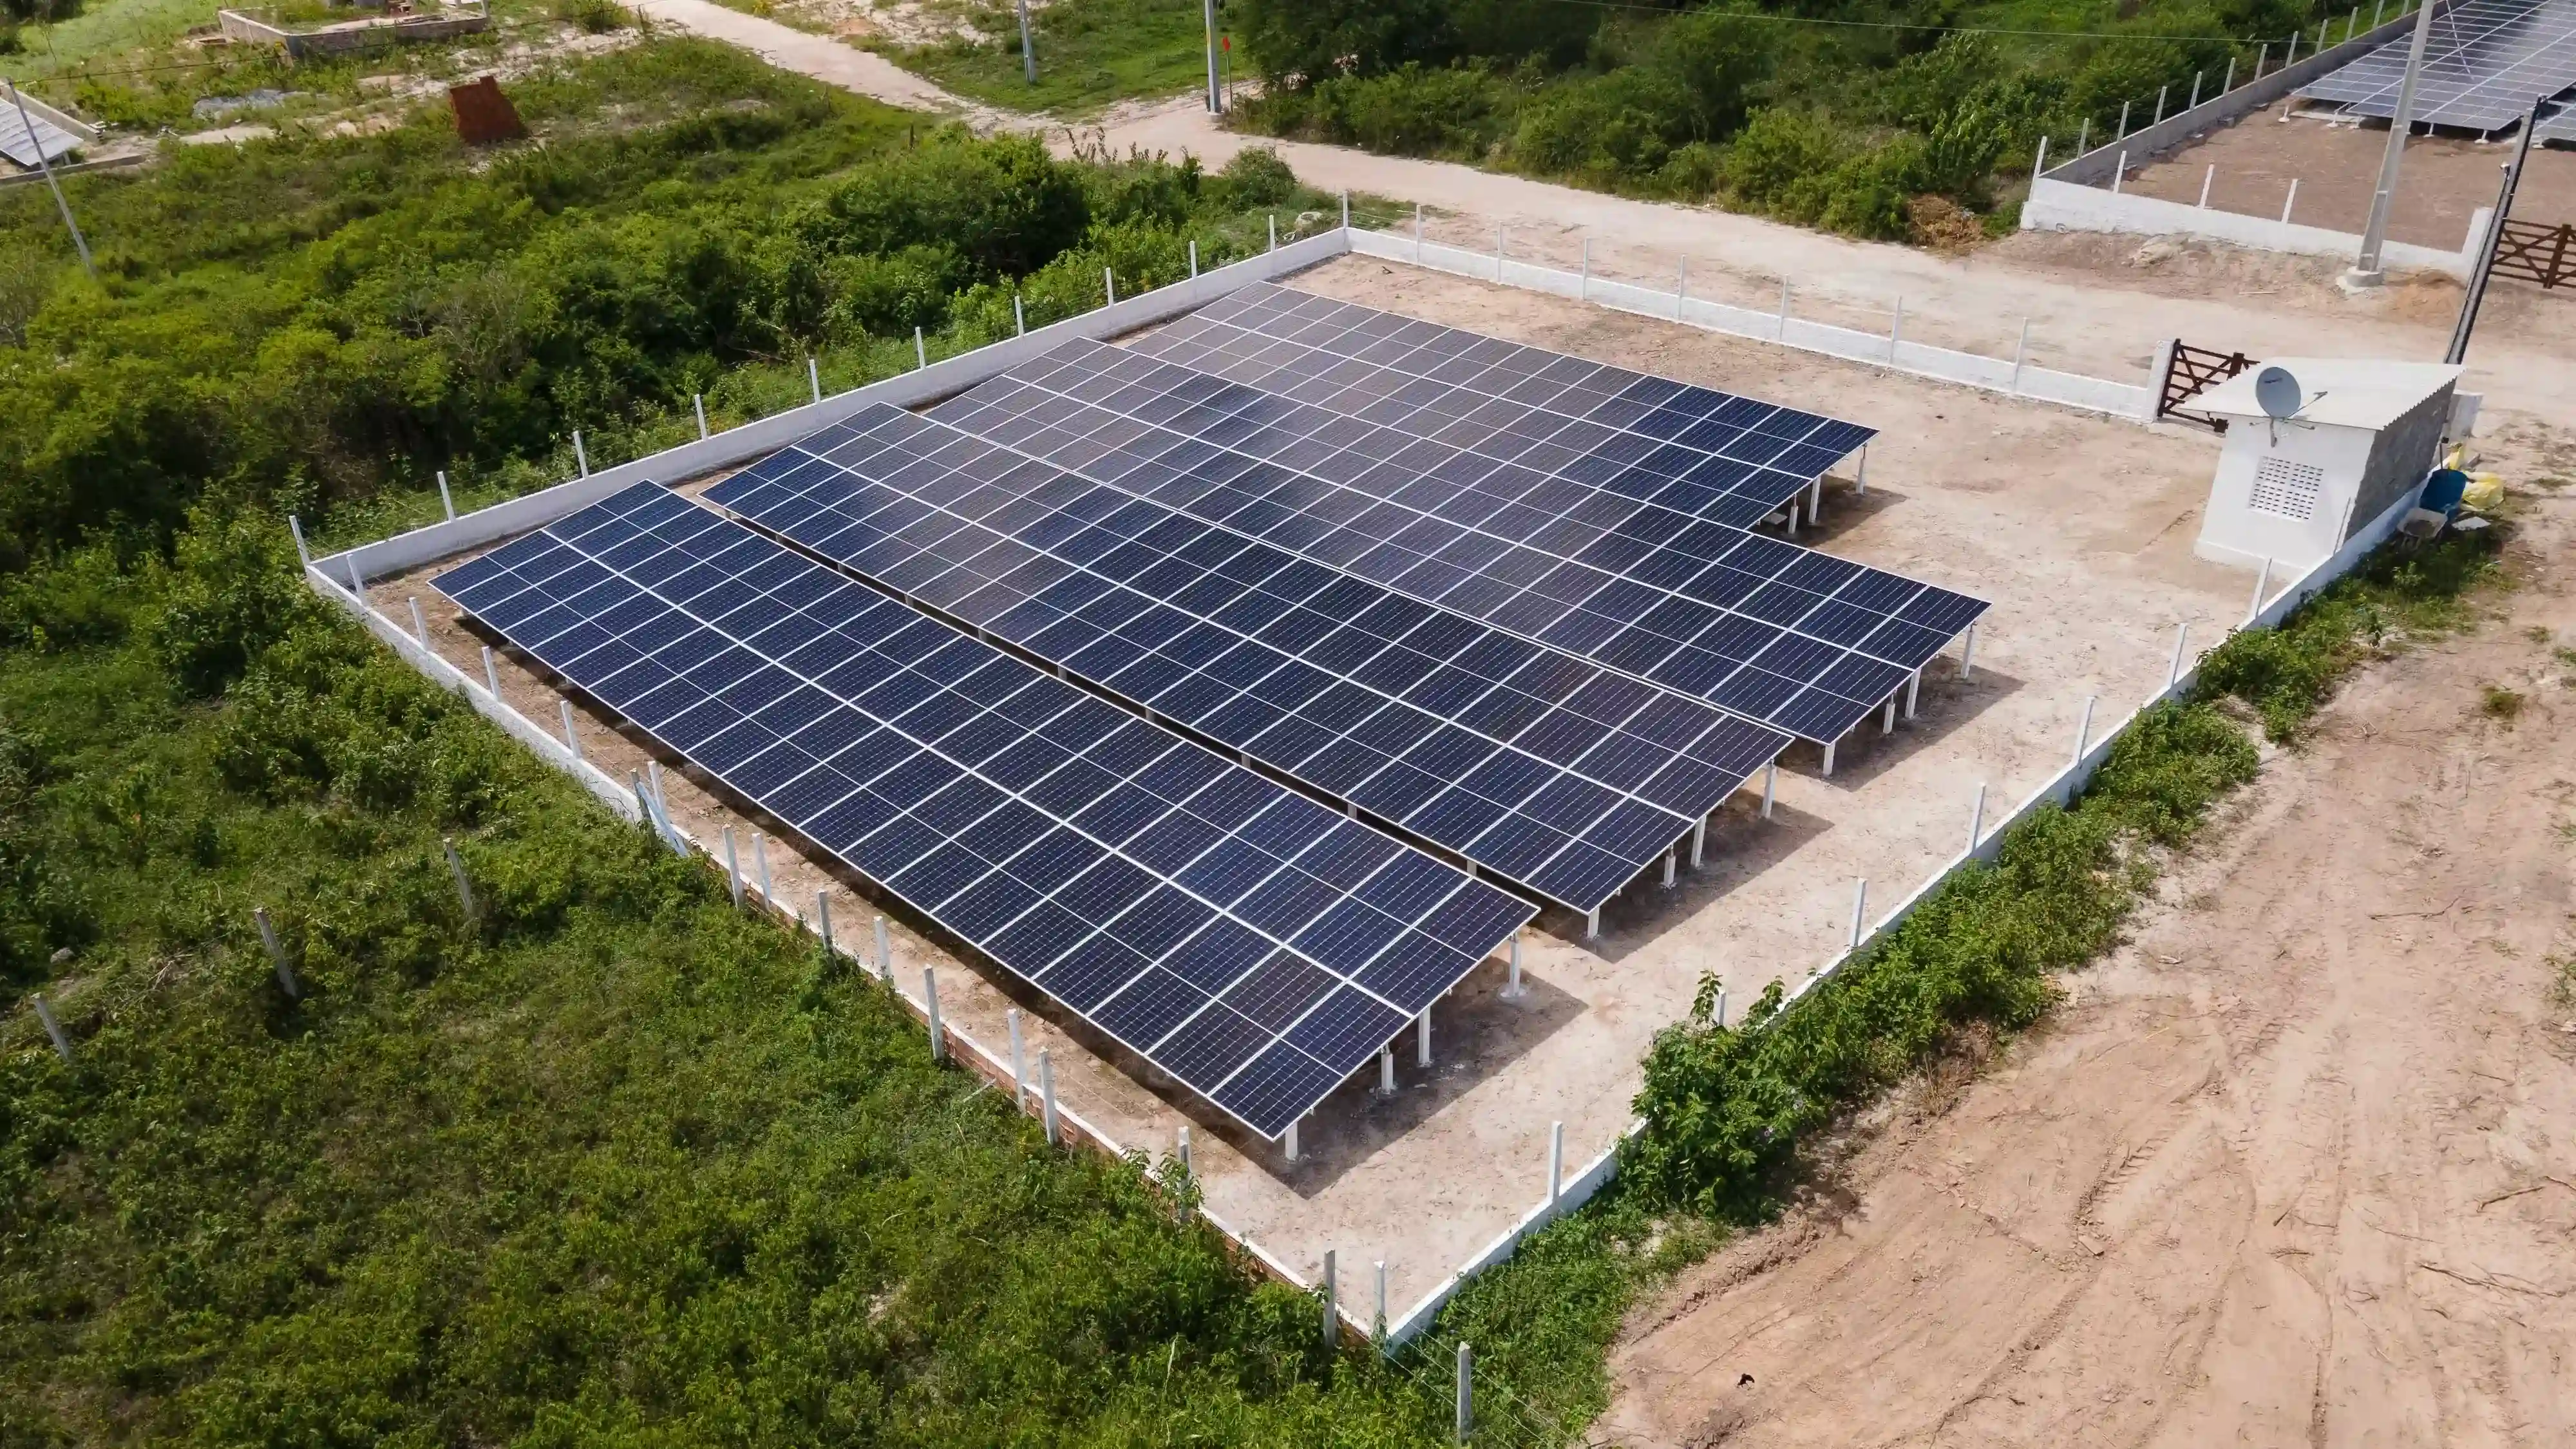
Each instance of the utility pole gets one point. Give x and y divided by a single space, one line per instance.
1215 101
79 243
2366 270
1028 52
2476 295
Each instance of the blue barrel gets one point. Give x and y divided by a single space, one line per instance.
2442 491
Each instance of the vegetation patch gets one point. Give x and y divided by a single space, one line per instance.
1842 115
1090 54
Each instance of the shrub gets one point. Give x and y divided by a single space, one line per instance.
1004 204
1256 177
235 590
1415 110
1775 153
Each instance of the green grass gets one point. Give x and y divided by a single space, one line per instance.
1091 54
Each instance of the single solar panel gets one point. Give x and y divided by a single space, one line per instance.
19 143
2485 63
2560 126
1547 772
1235 934
1696 450
1767 630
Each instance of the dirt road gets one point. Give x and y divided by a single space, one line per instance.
2296 1166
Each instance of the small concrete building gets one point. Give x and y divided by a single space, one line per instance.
2293 489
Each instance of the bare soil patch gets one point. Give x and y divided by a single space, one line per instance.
2291 1167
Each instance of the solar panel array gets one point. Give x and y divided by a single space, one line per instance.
1776 633
2485 62
1237 935
1551 773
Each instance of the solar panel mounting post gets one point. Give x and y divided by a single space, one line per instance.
1699 841
1913 690
1968 653
1290 1146
2366 270
1513 990
1386 1070
1770 779
1592 923
1668 870
446 500
1829 757
1422 1038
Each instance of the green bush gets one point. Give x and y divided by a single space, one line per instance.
1414 110
1256 177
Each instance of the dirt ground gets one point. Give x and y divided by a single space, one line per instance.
2292 1166
2336 163
2026 506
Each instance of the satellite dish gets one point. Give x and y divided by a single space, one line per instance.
2277 392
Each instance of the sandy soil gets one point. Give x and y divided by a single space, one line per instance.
2336 163
2290 1167
2023 505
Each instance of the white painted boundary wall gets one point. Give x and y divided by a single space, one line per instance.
1597 1173
1997 374
2065 206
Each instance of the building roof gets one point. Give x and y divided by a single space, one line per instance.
2342 391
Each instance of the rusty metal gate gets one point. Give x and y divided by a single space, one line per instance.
2536 252
2194 370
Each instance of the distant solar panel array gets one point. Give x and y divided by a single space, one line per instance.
1484 600
2485 63
1235 934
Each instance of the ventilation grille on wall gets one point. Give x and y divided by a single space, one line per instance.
2287 489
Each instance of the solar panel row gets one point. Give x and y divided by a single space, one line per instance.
1244 939
1773 632
2485 62
1562 777
1695 450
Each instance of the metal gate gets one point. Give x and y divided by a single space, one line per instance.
2536 253
2193 371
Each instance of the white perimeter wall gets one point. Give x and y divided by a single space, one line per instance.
2064 206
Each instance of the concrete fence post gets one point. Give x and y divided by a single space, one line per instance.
1019 1063
1583 284
2124 122
2120 172
698 404
1718 1012
491 674
760 863
814 370
2021 356
930 1008
456 872
1555 1162
572 738
580 454
303 553
2289 201
1977 817
2173 671
920 354
357 584
2195 90
1681 290
1346 208
2040 163
2161 93
823 920
1781 333
1860 909
1109 286
2206 177
2083 133
2262 585
1332 1336
1274 231
446 500
2290 57
2083 733
419 625
1046 1097
1186 1168
885 952
2228 84
1019 319
1498 251
2261 57
1417 232
1378 1320
53 1028
733 868
1466 1392
1895 329
1194 259
276 954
